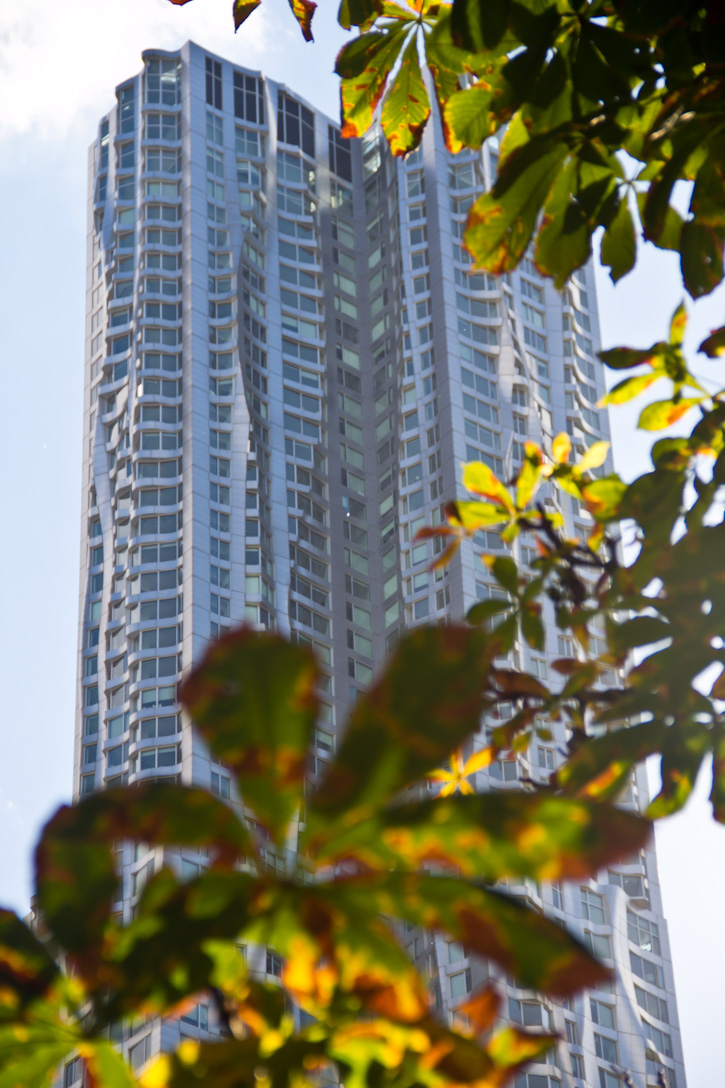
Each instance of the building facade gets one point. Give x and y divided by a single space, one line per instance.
287 359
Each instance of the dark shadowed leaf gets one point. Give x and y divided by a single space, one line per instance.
26 967
242 10
619 246
253 700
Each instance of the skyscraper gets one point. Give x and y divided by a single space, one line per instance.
287 359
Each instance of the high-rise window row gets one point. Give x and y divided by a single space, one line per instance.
288 356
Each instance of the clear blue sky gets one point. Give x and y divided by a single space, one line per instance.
58 68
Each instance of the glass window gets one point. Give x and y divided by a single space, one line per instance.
214 83
248 99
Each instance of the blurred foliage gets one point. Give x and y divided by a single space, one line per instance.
368 851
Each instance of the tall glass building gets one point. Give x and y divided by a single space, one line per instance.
287 359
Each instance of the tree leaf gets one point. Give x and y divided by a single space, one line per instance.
714 345
481 480
303 10
364 66
468 117
491 836
425 704
407 106
623 358
501 222
75 872
629 388
253 700
27 970
561 448
358 13
537 951
241 10
599 766
619 246
663 413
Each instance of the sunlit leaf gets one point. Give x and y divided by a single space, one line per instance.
663 413
407 106
303 10
364 66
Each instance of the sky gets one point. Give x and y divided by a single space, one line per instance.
59 65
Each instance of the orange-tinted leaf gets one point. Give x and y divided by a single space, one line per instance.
537 951
663 413
303 10
482 1009
492 836
364 66
407 106
481 480
242 10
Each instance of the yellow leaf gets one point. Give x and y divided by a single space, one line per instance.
480 479
478 761
561 448
595 456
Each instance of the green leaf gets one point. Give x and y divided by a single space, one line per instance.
619 245
501 222
106 1066
428 700
242 9
163 955
603 497
75 872
701 257
478 27
31 1051
683 751
253 700
623 358
407 106
563 242
485 610
364 66
664 413
640 631
537 951
491 836
504 570
530 475
468 117
358 13
599 767
678 324
629 388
